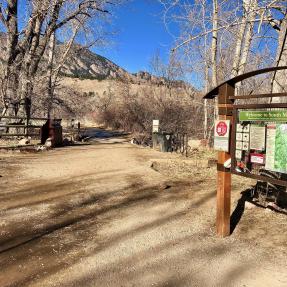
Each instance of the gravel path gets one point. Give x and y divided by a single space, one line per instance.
98 215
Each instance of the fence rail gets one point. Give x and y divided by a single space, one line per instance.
21 118
14 126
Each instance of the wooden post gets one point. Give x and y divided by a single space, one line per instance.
223 174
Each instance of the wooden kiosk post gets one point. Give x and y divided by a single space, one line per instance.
223 174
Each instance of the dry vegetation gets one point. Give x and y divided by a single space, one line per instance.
132 106
132 111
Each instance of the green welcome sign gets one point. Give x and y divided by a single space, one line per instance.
269 116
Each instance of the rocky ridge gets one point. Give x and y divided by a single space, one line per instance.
85 64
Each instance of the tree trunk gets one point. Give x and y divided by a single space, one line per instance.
278 84
214 52
10 73
205 107
214 43
50 90
206 71
239 43
251 14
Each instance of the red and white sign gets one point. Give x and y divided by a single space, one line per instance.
257 158
221 135
221 128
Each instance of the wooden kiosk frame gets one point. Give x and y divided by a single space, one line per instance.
228 110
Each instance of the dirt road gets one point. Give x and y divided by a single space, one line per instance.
98 215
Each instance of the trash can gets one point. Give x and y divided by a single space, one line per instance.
57 133
52 129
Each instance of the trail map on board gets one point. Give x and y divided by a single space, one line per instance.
276 148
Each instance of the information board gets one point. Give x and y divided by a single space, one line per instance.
261 141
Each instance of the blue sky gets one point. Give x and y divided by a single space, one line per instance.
141 33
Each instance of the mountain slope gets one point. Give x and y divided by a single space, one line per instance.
82 63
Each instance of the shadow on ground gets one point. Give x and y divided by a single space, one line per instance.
41 251
67 235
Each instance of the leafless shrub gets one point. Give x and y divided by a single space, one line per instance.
177 109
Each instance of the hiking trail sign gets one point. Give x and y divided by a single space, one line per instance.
251 138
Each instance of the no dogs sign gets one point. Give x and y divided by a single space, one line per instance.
221 128
221 135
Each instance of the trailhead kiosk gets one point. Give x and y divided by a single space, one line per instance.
250 138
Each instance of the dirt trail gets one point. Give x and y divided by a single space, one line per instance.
98 215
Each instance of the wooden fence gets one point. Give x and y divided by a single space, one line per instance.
14 126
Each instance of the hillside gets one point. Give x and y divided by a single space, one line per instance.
85 64
82 63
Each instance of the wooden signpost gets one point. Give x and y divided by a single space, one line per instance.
223 174
238 149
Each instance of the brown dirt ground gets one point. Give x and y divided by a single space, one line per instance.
98 215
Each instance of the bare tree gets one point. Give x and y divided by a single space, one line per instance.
25 48
232 24
278 83
221 38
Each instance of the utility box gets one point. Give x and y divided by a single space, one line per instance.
166 142
162 141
